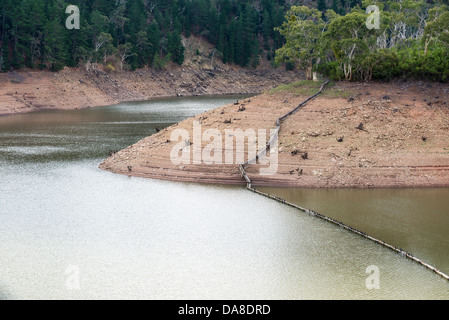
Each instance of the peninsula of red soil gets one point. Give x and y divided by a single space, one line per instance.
368 135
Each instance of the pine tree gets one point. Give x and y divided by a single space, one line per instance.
322 5
238 42
267 27
154 39
55 53
229 51
214 27
136 16
334 6
176 48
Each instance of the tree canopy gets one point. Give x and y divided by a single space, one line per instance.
412 41
135 33
328 36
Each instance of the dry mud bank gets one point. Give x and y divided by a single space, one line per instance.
355 135
22 92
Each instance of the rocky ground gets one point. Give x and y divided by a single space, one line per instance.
28 91
363 135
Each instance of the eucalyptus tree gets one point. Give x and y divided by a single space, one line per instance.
351 41
304 31
402 21
124 52
438 26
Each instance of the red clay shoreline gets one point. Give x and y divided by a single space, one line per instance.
404 142
272 184
390 152
72 89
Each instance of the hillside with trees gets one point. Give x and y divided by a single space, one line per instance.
411 41
137 33
328 36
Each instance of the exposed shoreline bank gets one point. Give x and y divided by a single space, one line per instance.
404 142
71 89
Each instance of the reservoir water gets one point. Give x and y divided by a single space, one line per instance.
71 231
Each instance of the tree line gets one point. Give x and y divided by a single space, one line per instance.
136 33
327 36
411 41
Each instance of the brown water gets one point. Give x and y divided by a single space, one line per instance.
71 231
415 220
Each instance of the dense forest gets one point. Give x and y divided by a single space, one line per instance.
138 33
329 36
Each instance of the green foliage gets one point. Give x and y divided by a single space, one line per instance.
330 37
298 88
308 88
159 63
433 65
176 48
412 41
322 5
110 68
332 70
384 65
303 33
33 33
437 29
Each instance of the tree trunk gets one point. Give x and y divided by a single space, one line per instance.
309 71
427 43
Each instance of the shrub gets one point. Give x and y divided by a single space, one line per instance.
110 68
386 65
331 70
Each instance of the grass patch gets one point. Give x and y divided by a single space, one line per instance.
298 88
309 88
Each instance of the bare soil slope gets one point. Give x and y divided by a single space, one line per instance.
24 91
355 135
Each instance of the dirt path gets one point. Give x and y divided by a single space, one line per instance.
358 135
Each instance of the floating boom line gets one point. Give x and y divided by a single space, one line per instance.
274 138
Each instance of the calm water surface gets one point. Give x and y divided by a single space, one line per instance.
415 220
64 222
